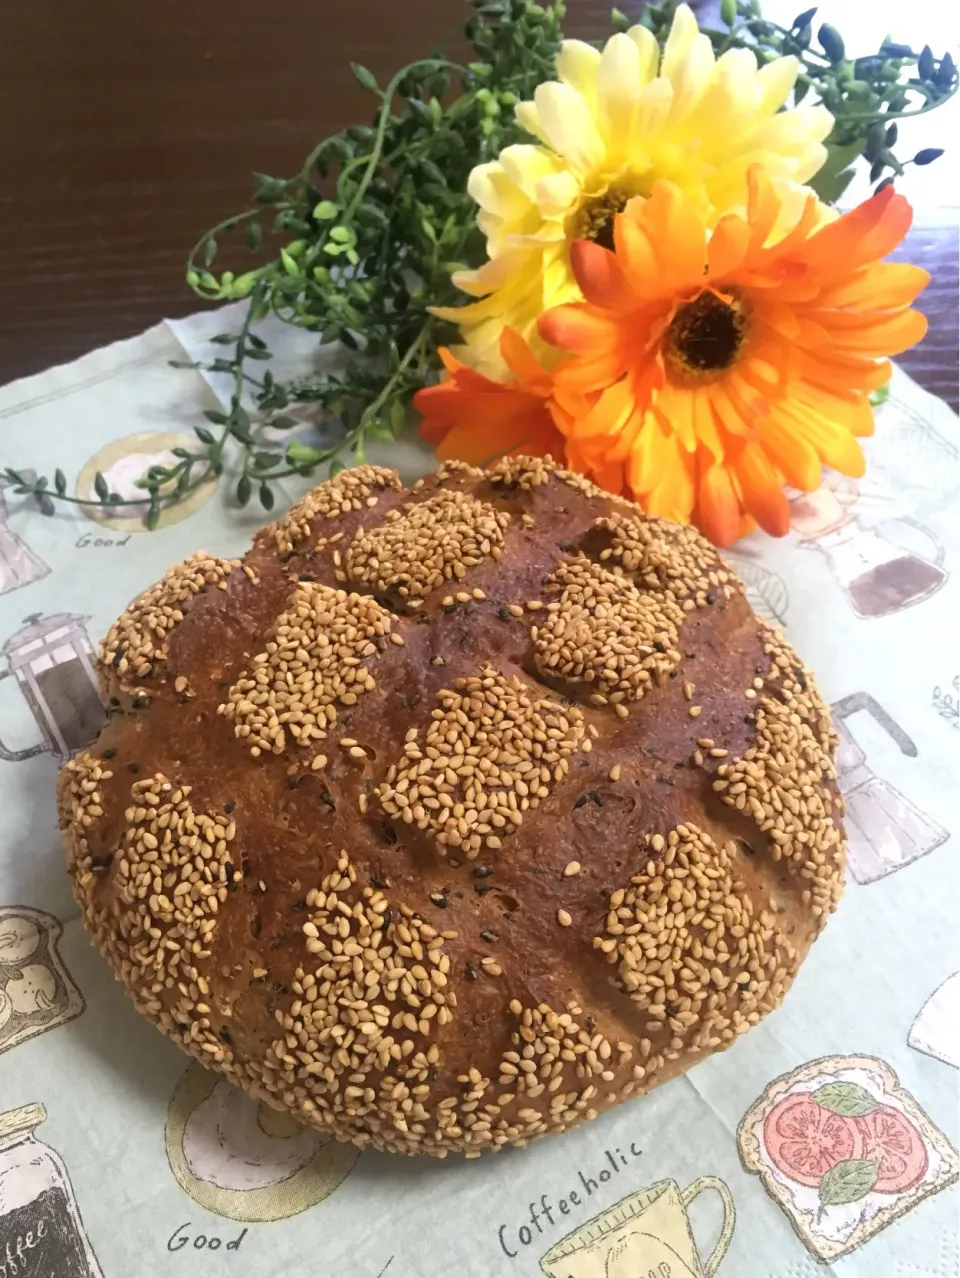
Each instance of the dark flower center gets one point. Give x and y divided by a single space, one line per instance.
705 335
595 219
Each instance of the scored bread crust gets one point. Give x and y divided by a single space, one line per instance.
452 815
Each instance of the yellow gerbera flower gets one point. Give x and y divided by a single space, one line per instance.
609 128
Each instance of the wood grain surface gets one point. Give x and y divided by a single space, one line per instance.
127 130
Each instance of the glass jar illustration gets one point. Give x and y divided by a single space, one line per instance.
885 831
52 661
19 566
41 1230
877 574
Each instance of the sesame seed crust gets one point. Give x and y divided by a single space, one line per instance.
351 490
314 659
397 836
137 643
492 752
425 544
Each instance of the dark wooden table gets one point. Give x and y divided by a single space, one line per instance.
129 129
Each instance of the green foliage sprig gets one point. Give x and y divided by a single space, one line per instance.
369 231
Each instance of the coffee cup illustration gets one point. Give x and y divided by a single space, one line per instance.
645 1235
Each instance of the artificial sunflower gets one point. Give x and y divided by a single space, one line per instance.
721 365
611 125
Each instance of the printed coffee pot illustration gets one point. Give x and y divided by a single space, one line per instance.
646 1235
51 659
878 576
885 831
19 566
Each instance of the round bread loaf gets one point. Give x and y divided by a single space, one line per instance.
453 815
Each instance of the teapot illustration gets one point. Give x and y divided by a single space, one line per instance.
878 576
19 566
52 661
885 831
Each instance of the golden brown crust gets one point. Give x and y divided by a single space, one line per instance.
538 812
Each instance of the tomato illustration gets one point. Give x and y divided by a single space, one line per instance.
890 1138
804 1141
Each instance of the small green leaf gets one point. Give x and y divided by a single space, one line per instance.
830 186
335 467
880 395
100 486
926 64
266 497
325 210
60 482
928 155
244 489
850 1100
283 423
300 454
831 42
204 435
152 517
268 189
364 77
254 236
848 1181
214 415
209 251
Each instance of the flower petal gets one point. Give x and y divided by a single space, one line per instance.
577 64
568 126
718 507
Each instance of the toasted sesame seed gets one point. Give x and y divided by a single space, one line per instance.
563 918
695 711
571 868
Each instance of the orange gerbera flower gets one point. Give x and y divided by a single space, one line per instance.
472 418
717 367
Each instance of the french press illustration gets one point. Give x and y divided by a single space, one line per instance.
885 831
52 662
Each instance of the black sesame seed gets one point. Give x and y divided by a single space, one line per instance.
299 905
450 607
229 807
471 972
481 872
133 767
255 925
591 1024
306 576
327 798
292 783
385 918
388 834
115 701
589 796
140 703
224 1035
711 596
758 670
110 753
489 936
377 883
671 1009
439 900
504 614
566 546
481 889
101 862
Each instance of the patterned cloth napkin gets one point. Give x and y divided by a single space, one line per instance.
824 1139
